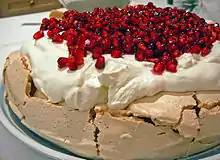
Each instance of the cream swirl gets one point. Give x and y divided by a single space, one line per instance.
122 81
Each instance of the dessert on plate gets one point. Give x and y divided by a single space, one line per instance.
140 82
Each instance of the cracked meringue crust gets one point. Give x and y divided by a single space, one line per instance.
164 126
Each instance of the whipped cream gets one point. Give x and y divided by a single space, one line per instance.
122 81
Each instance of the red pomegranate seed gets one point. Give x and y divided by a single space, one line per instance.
149 52
160 46
128 48
146 39
176 53
70 42
62 62
80 61
205 52
98 50
114 26
153 60
81 42
128 38
79 54
52 25
171 66
116 53
150 5
106 44
38 35
73 49
116 43
50 34
100 63
105 33
141 47
43 27
158 68
71 32
218 37
195 49
71 64
165 58
45 21
53 20
97 25
139 56
57 38
96 55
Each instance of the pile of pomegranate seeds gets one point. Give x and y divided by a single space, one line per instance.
149 33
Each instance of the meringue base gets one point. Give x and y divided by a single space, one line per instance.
167 125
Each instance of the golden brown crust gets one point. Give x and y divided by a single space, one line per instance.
163 126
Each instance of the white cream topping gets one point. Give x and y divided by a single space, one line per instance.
122 80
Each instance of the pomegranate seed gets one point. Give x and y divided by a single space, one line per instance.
218 37
71 64
50 34
62 62
146 39
114 26
43 27
106 44
153 60
150 5
38 35
141 47
97 25
57 38
205 52
79 54
195 49
72 32
176 53
158 68
116 53
70 42
100 63
128 48
96 55
160 46
165 58
80 61
52 25
171 66
149 52
98 50
53 20
105 33
73 49
81 41
116 43
128 38
45 21
139 56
